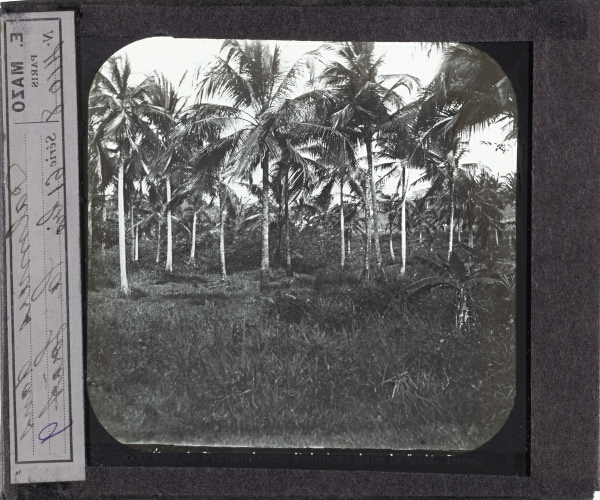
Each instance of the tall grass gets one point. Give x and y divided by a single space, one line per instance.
190 360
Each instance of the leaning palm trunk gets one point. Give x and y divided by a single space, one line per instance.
169 264
288 252
342 227
451 224
121 209
264 262
193 250
374 210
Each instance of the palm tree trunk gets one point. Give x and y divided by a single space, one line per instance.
193 250
458 229
497 239
374 210
451 224
288 250
471 236
132 231
264 261
342 227
169 264
392 254
349 249
158 243
104 225
136 244
366 275
222 229
280 223
121 209
403 229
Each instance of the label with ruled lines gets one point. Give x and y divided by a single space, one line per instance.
41 173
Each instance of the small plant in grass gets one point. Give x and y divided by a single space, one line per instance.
460 277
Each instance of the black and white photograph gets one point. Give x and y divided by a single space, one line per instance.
301 244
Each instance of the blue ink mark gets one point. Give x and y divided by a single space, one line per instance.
52 432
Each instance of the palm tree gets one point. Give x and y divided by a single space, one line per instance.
364 105
205 173
397 142
395 203
251 77
337 165
121 110
165 97
469 92
438 157
294 176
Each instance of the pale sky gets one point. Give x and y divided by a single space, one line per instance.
175 56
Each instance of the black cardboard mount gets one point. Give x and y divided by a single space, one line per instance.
564 229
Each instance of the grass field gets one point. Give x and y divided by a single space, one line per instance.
312 361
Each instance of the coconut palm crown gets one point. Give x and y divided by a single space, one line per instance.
122 113
259 111
364 104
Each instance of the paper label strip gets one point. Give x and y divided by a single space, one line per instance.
41 174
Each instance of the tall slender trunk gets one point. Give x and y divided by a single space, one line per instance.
374 210
169 263
193 249
121 209
348 239
451 224
392 254
403 229
471 235
136 244
366 275
342 227
458 229
158 242
132 222
288 250
497 239
222 226
280 223
104 225
264 259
